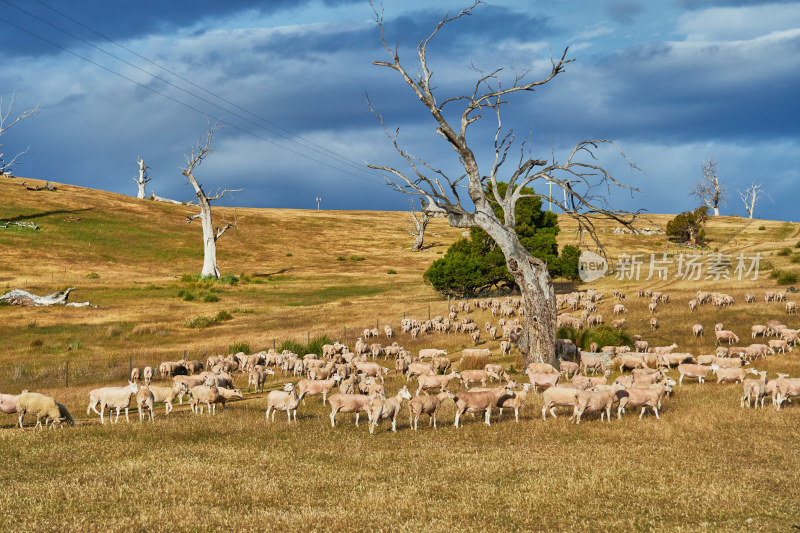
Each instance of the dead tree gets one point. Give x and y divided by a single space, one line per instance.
417 226
751 196
709 189
578 176
6 123
210 233
143 178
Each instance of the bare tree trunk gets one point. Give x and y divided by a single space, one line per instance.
716 210
209 239
142 180
537 341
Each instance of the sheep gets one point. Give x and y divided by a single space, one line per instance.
505 348
147 375
726 336
590 362
468 376
476 401
560 396
388 331
40 406
791 307
283 400
543 368
372 369
476 337
190 382
596 400
64 416
544 380
8 403
620 309
257 379
167 394
654 323
145 400
208 394
568 368
641 397
754 389
785 389
630 361
427 382
641 346
581 380
653 307
619 324
349 403
672 359
731 375
779 345
428 405
693 371
697 330
135 374
692 306
514 401
417 368
310 387
442 363
383 409
113 398
348 386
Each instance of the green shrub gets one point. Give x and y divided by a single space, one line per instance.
775 273
292 346
37 343
341 258
241 347
210 298
92 275
787 278
289 254
797 244
187 296
186 278
795 258
223 315
317 343
603 335
762 228
766 265
784 252
391 271
228 279
199 322
357 258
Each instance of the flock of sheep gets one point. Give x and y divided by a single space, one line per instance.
360 378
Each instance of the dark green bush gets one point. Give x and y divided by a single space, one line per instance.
787 278
210 298
391 271
357 258
783 252
762 228
244 347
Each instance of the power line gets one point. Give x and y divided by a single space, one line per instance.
322 150
184 104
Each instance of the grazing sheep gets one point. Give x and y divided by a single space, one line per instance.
731 375
147 374
791 307
208 394
754 389
383 409
349 403
469 376
590 401
688 370
724 335
569 368
145 400
428 405
427 381
167 394
8 403
544 380
283 400
560 396
514 401
654 323
697 330
476 401
113 398
310 387
40 406
258 378
64 416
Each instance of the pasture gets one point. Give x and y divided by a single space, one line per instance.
706 465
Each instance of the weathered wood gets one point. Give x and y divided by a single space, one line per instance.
155 198
24 298
142 180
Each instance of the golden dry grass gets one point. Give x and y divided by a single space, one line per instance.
706 465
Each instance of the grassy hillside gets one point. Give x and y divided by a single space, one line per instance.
707 464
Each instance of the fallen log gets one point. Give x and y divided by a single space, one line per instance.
24 298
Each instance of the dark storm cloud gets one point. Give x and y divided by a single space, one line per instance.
624 11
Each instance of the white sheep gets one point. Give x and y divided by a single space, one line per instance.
40 406
283 400
381 409
145 400
113 398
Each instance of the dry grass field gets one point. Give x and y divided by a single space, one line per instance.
706 465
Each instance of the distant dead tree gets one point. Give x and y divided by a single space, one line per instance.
143 179
417 226
709 189
582 180
751 196
210 233
6 123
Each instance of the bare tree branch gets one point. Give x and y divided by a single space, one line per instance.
6 123
709 189
751 196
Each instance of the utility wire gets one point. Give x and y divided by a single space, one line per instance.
322 151
188 106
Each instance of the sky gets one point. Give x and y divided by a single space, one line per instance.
671 82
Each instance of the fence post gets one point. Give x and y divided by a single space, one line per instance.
68 374
429 311
345 334
377 324
273 344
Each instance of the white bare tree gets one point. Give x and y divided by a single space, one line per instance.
7 121
578 176
210 233
417 226
751 196
143 178
709 188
